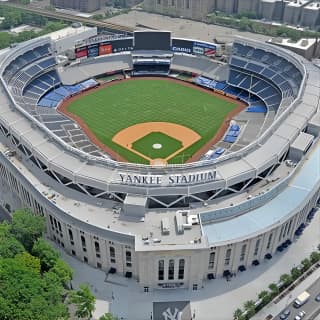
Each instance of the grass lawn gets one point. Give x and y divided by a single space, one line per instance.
110 110
145 145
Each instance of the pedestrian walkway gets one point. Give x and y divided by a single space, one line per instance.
216 301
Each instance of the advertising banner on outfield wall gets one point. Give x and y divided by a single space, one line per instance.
93 50
105 48
182 45
81 52
122 45
204 48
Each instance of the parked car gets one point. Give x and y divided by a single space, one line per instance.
317 297
300 315
285 314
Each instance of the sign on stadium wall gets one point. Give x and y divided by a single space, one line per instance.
181 45
168 180
204 48
105 48
81 52
93 50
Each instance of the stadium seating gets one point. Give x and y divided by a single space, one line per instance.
232 133
53 98
272 71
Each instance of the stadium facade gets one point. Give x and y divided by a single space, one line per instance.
175 226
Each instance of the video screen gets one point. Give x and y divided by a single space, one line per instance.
152 40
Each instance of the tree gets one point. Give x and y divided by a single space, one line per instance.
27 228
306 264
237 315
84 300
108 316
285 279
25 294
274 289
249 306
63 271
265 297
295 273
9 245
47 254
314 257
244 24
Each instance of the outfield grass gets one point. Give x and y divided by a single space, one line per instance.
112 109
145 145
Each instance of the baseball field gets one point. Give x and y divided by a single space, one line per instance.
143 120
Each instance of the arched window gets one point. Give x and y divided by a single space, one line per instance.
171 269
161 270
181 269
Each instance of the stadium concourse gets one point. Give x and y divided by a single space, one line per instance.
176 226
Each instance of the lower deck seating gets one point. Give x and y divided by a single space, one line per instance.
53 98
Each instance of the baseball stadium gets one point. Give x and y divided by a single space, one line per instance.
152 159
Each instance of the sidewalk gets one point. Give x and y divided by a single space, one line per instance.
274 309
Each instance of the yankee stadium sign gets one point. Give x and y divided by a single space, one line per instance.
172 179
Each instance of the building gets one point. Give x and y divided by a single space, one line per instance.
168 227
308 48
297 12
80 5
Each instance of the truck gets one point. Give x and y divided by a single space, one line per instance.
301 299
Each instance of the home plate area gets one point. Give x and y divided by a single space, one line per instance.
176 310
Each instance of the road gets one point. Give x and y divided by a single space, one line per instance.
311 307
68 17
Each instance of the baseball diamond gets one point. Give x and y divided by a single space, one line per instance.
110 112
235 181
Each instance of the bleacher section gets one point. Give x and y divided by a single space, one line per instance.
266 74
25 60
53 98
222 87
32 77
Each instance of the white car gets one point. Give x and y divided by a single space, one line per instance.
300 315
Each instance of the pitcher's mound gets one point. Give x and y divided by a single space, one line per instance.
157 146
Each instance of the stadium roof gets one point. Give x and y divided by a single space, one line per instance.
272 212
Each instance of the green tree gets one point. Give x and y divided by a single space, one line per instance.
27 228
46 253
285 279
84 301
25 294
295 273
249 306
108 316
265 296
237 315
9 245
63 271
29 261
244 24
306 264
274 289
314 257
